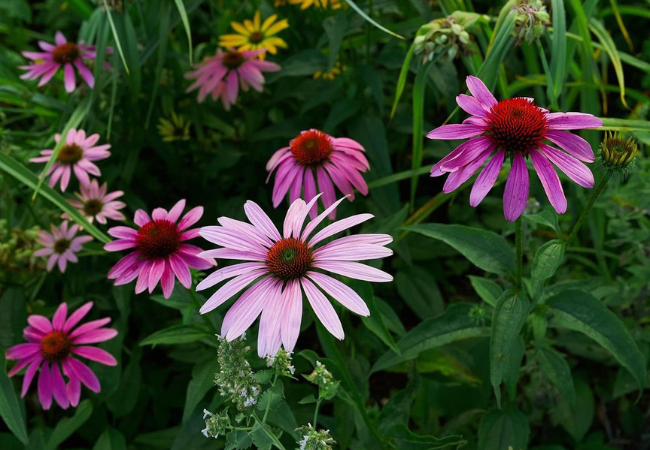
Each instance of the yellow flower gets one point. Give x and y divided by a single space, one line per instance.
176 129
324 4
332 73
254 35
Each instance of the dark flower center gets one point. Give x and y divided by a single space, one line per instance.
61 246
256 36
516 125
55 346
65 53
233 59
289 259
93 207
311 148
70 154
158 239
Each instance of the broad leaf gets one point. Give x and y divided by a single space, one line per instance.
558 371
177 334
503 430
10 410
67 426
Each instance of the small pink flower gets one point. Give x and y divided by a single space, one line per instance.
75 156
280 268
61 245
95 203
516 129
160 252
67 54
314 155
58 343
223 74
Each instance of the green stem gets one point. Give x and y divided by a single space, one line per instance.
590 204
268 405
519 228
316 411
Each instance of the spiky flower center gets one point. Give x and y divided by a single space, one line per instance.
158 239
66 53
516 125
70 154
311 148
61 245
256 37
289 259
56 345
233 59
93 207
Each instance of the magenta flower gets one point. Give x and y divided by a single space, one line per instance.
161 253
515 129
281 267
61 245
46 64
75 156
57 343
223 74
314 155
95 203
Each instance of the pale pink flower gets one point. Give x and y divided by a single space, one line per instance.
223 74
95 203
61 245
54 346
64 54
280 268
314 155
75 156
160 252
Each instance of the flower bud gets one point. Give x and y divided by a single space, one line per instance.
215 424
530 22
446 37
617 153
313 439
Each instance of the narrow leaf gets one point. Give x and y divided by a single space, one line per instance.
10 407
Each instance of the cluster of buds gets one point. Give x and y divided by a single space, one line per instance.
17 247
313 439
323 378
478 314
617 153
531 21
446 37
236 379
215 424
281 363
176 128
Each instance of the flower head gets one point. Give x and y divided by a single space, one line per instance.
313 439
315 156
531 20
176 129
76 155
255 35
445 37
61 245
616 152
319 4
281 267
235 379
95 203
64 54
332 73
516 129
223 74
160 252
52 346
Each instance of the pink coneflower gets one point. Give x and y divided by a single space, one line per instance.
160 252
55 343
45 64
281 267
95 203
314 155
61 245
515 129
223 74
75 156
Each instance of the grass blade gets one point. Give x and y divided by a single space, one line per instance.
610 48
186 24
558 52
367 18
109 14
419 89
401 81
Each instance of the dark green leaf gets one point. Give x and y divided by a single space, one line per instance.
177 334
202 381
419 290
558 371
405 439
67 426
503 430
488 290
110 439
10 410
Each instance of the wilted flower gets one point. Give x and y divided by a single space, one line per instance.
445 37
176 129
61 245
215 424
331 73
236 379
255 35
531 20
95 204
313 439
617 153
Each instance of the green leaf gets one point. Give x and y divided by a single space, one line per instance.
238 439
610 124
335 28
419 91
486 250
370 20
10 410
508 318
610 47
14 315
25 176
110 439
375 322
419 290
401 80
176 334
558 51
488 290
272 397
503 430
455 324
68 425
405 439
547 260
116 38
576 418
202 381
558 371
125 398
580 311
186 24
502 43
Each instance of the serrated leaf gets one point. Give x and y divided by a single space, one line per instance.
271 398
238 439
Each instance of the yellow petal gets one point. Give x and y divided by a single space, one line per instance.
276 42
239 28
232 40
268 22
249 26
256 20
277 27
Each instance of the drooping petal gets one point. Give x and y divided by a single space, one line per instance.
480 91
515 196
574 145
550 181
573 168
486 179
340 292
232 287
59 390
572 121
95 354
83 373
45 386
291 315
323 309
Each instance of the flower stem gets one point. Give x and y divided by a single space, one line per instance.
268 404
590 204
519 227
316 411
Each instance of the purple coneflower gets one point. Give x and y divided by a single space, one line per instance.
282 267
516 129
61 246
160 252
314 155
58 343
46 64
95 203
223 74
75 156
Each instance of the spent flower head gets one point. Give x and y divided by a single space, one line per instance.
281 363
313 439
236 379
446 37
617 153
215 424
531 21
